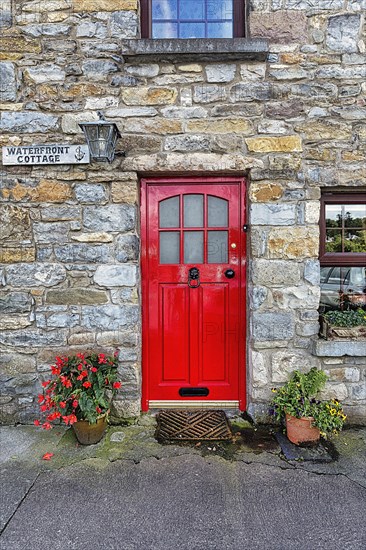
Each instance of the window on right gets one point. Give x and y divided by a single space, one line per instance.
343 251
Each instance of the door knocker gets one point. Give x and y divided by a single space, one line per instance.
194 275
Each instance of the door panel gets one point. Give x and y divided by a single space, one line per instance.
192 310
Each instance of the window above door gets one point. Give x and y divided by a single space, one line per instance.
169 19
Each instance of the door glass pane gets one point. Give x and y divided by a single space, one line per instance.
217 247
169 212
193 247
193 210
169 247
217 212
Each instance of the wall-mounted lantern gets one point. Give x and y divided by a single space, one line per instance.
101 137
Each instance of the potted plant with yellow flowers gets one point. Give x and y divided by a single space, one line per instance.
306 417
79 394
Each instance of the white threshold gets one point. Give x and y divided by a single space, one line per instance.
193 404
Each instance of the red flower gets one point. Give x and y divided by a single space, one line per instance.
80 367
53 416
62 404
41 398
82 375
94 369
116 353
87 384
45 384
44 408
75 403
55 370
47 456
66 382
46 426
117 385
80 355
37 423
101 358
72 419
98 409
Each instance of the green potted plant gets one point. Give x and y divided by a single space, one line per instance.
349 323
306 417
79 394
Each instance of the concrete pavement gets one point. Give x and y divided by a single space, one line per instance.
130 493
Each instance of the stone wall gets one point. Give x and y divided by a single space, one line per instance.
69 235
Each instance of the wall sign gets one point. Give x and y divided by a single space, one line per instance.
46 154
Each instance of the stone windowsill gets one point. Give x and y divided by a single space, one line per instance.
200 49
339 348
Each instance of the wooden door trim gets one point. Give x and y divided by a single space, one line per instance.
194 180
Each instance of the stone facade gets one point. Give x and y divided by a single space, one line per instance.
294 124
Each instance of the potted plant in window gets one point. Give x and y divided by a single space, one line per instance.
306 417
343 324
79 394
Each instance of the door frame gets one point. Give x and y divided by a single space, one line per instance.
242 330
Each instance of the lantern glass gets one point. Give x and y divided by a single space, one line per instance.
102 138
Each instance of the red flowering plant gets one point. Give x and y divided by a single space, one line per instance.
81 388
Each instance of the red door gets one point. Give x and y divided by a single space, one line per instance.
193 269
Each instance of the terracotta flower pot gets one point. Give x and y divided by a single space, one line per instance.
301 430
89 434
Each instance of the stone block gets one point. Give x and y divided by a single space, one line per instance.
295 297
124 24
334 391
293 243
273 326
87 193
342 33
60 213
8 85
272 214
227 126
37 338
185 143
104 5
252 71
284 363
358 391
312 272
323 130
339 348
92 238
259 369
76 296
281 26
51 232
105 317
127 248
45 73
13 45
15 302
12 364
147 71
58 320
208 93
184 112
34 275
70 253
265 192
149 96
29 123
220 72
70 122
91 29
315 90
272 127
124 192
275 273
348 374
258 296
15 225
115 275
109 218
250 92
272 144
98 69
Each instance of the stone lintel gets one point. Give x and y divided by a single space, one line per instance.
194 163
206 49
339 348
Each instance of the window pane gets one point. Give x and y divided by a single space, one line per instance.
165 30
164 9
193 210
217 212
169 247
333 241
333 215
191 30
355 241
219 9
217 247
169 212
193 247
220 30
355 215
346 288
192 9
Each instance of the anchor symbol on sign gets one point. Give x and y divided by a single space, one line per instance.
79 154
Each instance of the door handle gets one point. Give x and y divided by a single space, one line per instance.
230 273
